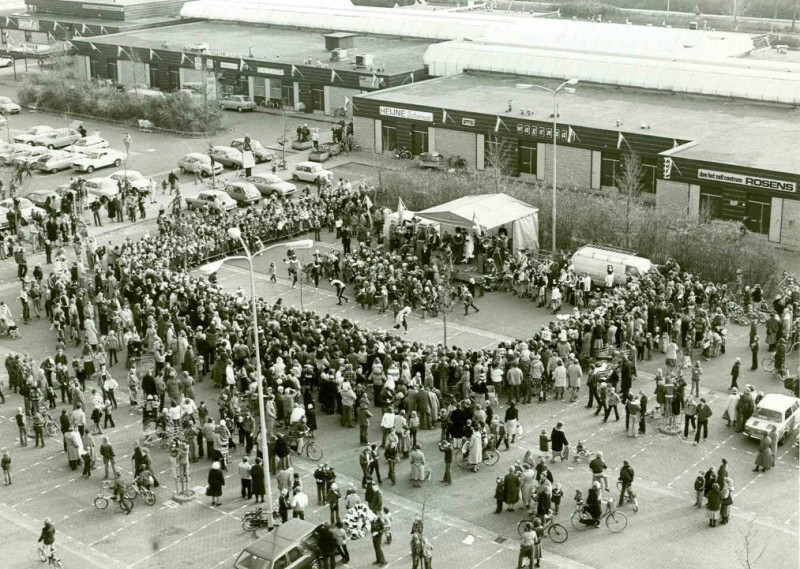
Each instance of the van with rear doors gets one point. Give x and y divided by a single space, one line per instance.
597 261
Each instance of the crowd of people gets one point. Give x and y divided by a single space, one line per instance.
137 299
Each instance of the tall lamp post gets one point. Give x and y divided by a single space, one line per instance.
236 233
566 87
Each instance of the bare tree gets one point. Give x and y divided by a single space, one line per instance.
629 184
751 550
497 160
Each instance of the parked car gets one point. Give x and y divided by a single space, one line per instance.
293 544
55 160
310 171
244 193
88 144
58 138
135 178
6 62
237 103
595 261
29 136
8 151
271 185
215 199
197 162
260 153
228 157
98 159
27 211
29 156
9 106
774 410
102 187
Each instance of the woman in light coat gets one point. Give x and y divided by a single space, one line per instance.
733 402
417 466
475 450
528 478
75 448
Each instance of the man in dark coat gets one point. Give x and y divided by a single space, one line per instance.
558 441
257 474
327 546
511 485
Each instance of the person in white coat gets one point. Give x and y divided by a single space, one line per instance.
475 449
730 407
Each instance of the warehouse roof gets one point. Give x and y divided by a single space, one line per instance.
728 131
746 78
273 44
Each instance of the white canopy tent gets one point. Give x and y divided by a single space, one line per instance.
490 212
390 220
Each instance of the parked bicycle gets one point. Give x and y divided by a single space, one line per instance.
768 364
403 153
615 521
48 553
554 530
50 426
258 519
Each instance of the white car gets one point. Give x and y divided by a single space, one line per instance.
29 156
29 135
6 62
310 171
214 199
774 410
271 185
57 138
201 163
8 151
244 193
27 210
56 160
102 187
98 159
9 106
88 144
135 178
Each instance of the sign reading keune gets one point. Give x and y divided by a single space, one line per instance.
749 181
406 114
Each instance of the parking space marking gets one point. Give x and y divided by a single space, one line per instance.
488 558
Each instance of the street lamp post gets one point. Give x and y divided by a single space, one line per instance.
127 140
236 233
554 92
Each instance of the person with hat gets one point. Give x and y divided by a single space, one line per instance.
216 480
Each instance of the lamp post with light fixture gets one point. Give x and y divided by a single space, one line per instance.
210 268
566 87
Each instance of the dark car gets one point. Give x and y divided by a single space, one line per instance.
292 545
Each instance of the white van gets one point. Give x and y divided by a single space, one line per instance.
595 261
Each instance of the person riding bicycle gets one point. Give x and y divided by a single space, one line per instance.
145 478
598 467
593 508
48 539
118 489
626 476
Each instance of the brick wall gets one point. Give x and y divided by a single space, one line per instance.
672 198
574 166
450 142
364 133
790 225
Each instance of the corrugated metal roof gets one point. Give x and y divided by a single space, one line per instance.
739 78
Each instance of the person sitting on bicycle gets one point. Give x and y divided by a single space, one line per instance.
118 489
626 476
598 467
145 478
593 508
48 539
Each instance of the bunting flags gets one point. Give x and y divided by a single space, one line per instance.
446 117
334 76
154 54
84 29
374 79
94 47
8 21
349 102
498 123
77 33
121 51
296 70
243 65
103 30
667 167
185 57
675 143
401 211
56 25
571 135
620 140
50 38
411 76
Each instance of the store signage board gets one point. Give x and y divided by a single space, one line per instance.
269 71
28 24
541 131
749 181
229 65
467 122
406 114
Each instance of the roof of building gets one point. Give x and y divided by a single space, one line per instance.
733 132
273 44
746 78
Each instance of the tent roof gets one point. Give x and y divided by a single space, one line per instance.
492 210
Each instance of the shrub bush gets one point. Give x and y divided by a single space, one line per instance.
61 92
712 250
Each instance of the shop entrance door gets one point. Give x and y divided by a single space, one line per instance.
758 215
389 136
527 160
317 100
287 93
419 141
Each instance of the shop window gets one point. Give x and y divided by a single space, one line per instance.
648 185
527 160
419 141
710 206
757 216
287 93
389 137
609 171
28 37
153 77
111 70
94 69
317 99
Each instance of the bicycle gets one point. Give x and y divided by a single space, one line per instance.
555 531
768 364
309 448
615 521
630 496
134 490
403 153
103 498
258 519
45 555
490 455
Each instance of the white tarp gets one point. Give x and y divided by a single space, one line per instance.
490 211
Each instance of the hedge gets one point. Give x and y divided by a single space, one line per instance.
64 93
712 250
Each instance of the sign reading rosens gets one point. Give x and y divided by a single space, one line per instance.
406 114
749 181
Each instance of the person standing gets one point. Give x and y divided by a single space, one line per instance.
764 456
713 505
376 529
558 442
5 465
626 476
257 484
299 503
447 450
499 495
332 499
107 453
754 345
727 499
326 542
611 404
689 410
245 475
703 415
417 466
511 485
526 545
216 480
22 426
341 541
